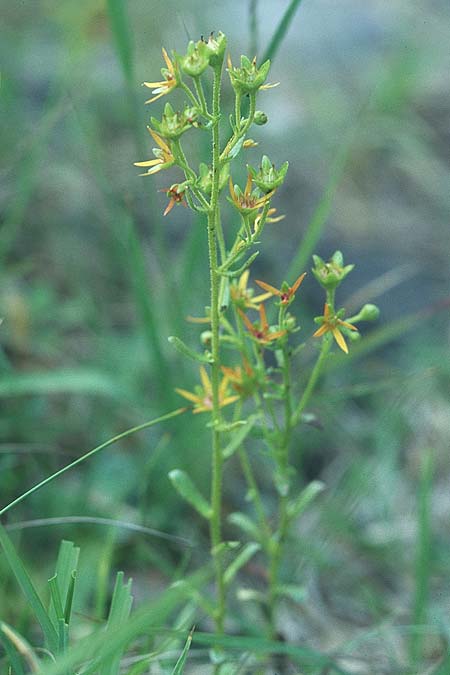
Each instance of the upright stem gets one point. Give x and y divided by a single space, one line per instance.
217 457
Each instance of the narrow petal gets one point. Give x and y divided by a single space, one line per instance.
206 382
242 283
169 63
198 319
149 162
160 141
155 98
169 206
340 340
270 86
152 85
232 192
298 282
262 297
267 287
324 328
246 320
228 400
248 185
275 336
347 325
263 318
189 395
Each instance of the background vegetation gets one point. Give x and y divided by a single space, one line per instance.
93 280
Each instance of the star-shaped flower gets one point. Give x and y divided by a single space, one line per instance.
203 396
330 324
243 296
248 201
285 293
261 332
171 79
163 154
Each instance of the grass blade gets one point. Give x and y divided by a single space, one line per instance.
423 554
29 591
179 666
281 30
92 452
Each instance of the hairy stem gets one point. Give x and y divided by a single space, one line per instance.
217 457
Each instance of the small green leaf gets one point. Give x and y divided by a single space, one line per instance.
181 347
298 505
239 437
245 523
186 489
247 552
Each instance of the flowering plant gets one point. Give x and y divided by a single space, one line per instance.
236 373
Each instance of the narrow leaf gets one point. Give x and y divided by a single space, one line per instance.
186 488
181 347
298 505
241 559
179 666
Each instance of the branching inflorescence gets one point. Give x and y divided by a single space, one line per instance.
244 395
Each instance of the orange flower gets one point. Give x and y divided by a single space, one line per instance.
163 156
171 80
243 296
243 379
286 293
175 196
203 398
248 201
330 324
261 332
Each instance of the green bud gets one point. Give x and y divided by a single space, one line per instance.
331 274
216 46
248 78
174 124
260 118
268 178
196 59
368 313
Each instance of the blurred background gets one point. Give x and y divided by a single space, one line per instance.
93 280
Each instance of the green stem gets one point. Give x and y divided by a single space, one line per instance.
241 132
217 457
201 96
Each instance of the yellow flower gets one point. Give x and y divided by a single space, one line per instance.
243 379
243 296
163 154
285 293
171 80
203 398
330 324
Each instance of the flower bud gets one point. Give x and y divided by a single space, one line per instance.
216 47
206 337
248 78
268 178
331 274
260 118
174 124
196 59
368 313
